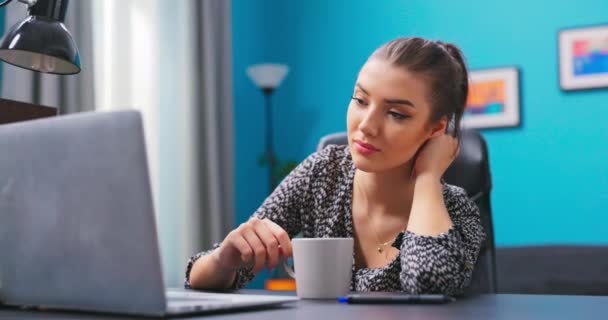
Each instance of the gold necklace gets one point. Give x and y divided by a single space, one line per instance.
381 244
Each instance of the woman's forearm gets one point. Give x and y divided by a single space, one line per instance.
434 264
428 216
206 273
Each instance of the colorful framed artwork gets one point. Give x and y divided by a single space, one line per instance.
583 58
493 100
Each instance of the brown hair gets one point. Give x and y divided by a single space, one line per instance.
442 64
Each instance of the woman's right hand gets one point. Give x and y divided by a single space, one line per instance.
256 243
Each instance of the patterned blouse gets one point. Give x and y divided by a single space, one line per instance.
316 199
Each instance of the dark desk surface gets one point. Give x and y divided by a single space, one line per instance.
501 306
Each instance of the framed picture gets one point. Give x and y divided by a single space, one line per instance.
493 100
583 58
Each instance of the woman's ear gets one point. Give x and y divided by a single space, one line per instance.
438 128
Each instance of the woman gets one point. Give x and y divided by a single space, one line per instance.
413 233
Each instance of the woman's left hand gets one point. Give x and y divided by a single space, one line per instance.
435 156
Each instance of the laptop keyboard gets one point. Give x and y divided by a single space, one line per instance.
195 296
180 300
195 301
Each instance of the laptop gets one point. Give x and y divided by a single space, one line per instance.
77 223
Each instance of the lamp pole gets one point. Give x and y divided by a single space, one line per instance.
269 147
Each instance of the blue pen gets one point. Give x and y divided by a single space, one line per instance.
396 299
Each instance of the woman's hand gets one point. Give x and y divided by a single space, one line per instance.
429 215
435 156
256 243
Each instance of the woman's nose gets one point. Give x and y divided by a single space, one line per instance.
369 124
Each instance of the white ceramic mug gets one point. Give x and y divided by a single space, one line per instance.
323 267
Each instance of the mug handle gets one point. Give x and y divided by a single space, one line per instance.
288 269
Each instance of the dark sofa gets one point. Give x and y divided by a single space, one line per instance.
555 269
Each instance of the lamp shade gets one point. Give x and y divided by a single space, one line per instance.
267 76
41 44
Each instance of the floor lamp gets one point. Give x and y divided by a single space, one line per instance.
267 77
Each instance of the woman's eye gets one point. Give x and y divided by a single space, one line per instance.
397 115
359 101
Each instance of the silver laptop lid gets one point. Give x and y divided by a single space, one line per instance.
77 225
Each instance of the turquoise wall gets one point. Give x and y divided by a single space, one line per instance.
550 175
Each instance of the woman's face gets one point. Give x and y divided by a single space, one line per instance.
388 117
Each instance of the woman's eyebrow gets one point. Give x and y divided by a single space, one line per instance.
361 88
400 101
390 101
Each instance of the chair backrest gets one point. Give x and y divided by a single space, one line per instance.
471 171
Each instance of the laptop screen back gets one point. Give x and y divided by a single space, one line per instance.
77 224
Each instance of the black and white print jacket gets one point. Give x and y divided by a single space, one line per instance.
316 199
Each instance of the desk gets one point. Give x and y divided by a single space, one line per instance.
500 306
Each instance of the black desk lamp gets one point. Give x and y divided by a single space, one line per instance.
41 42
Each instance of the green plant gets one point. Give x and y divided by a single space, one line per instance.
280 169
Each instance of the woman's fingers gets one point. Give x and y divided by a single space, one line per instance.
269 241
256 243
244 248
259 250
281 235
234 250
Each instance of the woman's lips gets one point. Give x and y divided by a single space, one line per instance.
365 148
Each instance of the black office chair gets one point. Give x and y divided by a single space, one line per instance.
471 171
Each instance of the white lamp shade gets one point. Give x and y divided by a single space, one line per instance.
267 75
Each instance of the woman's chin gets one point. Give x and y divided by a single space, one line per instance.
376 164
365 164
